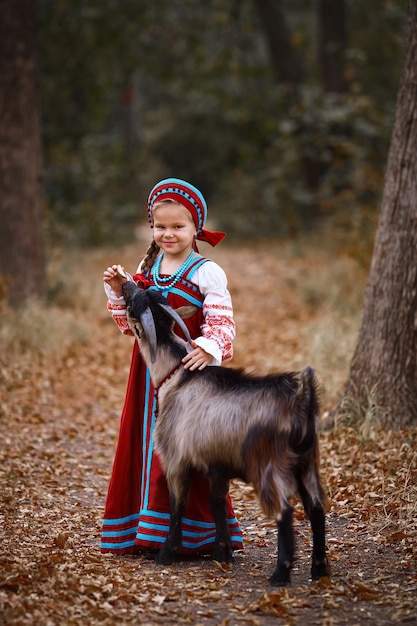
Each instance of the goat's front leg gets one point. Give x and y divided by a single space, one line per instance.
223 547
178 500
282 574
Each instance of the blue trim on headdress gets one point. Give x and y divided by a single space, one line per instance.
171 184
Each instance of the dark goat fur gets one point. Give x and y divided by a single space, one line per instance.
229 424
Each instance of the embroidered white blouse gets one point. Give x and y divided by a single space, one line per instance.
218 328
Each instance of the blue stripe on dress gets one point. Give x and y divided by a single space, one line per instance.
195 267
149 449
186 520
186 544
119 533
192 300
146 467
120 520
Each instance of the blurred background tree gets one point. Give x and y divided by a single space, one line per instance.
279 110
22 243
383 370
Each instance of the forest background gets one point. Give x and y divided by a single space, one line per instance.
279 131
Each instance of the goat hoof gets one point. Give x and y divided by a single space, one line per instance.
164 557
223 555
320 570
281 577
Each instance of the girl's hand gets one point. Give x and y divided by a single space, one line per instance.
197 359
114 280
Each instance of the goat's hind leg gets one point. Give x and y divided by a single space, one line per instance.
315 512
178 501
223 547
282 574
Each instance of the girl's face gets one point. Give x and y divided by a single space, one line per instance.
173 228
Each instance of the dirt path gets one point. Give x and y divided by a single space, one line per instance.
59 421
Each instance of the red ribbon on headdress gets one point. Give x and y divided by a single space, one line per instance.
213 237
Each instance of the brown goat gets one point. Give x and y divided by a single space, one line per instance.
228 424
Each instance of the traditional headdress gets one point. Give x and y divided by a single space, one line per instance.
189 197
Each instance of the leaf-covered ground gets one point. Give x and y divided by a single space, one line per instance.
63 372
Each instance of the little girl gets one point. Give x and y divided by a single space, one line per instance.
136 515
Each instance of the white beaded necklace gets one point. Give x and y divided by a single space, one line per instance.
167 282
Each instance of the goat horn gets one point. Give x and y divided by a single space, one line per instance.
148 325
174 315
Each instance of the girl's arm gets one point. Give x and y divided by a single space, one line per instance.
218 329
115 301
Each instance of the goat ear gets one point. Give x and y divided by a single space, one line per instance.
185 312
148 325
174 315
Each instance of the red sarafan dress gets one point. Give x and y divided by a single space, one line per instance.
136 516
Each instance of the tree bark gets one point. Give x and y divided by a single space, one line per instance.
287 66
385 358
332 44
22 254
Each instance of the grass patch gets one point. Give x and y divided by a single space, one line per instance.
39 329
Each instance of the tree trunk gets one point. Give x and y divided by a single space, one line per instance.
332 44
285 61
22 255
385 359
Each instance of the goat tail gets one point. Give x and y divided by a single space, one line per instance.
307 389
306 409
260 451
268 492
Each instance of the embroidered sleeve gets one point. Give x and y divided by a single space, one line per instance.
117 308
116 304
218 328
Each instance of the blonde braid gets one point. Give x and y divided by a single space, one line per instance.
151 254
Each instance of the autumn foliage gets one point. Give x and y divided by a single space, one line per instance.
63 370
